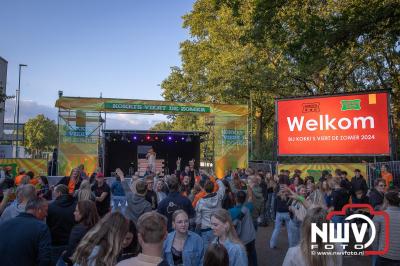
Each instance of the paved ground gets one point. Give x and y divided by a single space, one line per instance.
275 257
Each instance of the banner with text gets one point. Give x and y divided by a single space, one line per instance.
354 124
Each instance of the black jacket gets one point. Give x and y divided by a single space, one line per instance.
375 198
77 233
340 197
357 184
25 240
60 219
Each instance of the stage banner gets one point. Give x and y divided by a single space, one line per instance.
148 106
316 169
37 166
230 144
230 147
79 137
349 124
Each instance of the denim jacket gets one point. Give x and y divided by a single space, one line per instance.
193 250
236 252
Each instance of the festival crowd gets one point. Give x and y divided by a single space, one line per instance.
187 218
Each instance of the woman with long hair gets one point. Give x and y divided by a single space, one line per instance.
224 230
302 254
216 254
183 247
282 210
103 243
84 192
73 181
86 216
130 245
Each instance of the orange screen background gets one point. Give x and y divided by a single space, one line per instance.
372 104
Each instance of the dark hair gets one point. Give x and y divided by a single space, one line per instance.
44 180
338 171
344 173
63 189
134 248
379 180
216 254
209 186
240 197
30 174
173 184
325 173
357 170
35 204
227 185
284 180
141 187
88 211
311 178
393 198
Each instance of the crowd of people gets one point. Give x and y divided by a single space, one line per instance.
187 218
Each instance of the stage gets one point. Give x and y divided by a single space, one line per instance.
127 149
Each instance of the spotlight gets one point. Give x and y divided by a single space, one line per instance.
134 138
188 139
156 137
169 138
148 137
182 138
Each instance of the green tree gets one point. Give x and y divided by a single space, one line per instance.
40 135
251 51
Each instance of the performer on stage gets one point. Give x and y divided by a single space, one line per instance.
151 159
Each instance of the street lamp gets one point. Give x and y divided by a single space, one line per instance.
18 96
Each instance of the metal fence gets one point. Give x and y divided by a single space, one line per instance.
374 171
266 166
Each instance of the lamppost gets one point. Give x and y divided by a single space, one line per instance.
18 96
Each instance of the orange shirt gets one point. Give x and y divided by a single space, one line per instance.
34 181
71 186
202 193
388 177
18 179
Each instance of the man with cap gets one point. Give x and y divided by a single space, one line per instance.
102 191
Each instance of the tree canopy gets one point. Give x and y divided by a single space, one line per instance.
40 135
251 51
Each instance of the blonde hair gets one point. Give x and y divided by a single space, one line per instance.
314 215
316 199
108 234
84 192
224 216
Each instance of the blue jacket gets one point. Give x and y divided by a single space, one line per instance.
25 240
116 189
193 250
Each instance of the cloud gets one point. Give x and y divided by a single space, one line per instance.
30 109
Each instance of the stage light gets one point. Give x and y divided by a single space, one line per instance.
182 138
148 137
162 140
188 139
169 138
156 138
134 138
114 139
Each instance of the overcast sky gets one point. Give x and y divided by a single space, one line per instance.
122 49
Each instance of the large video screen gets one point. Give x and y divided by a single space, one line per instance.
352 124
